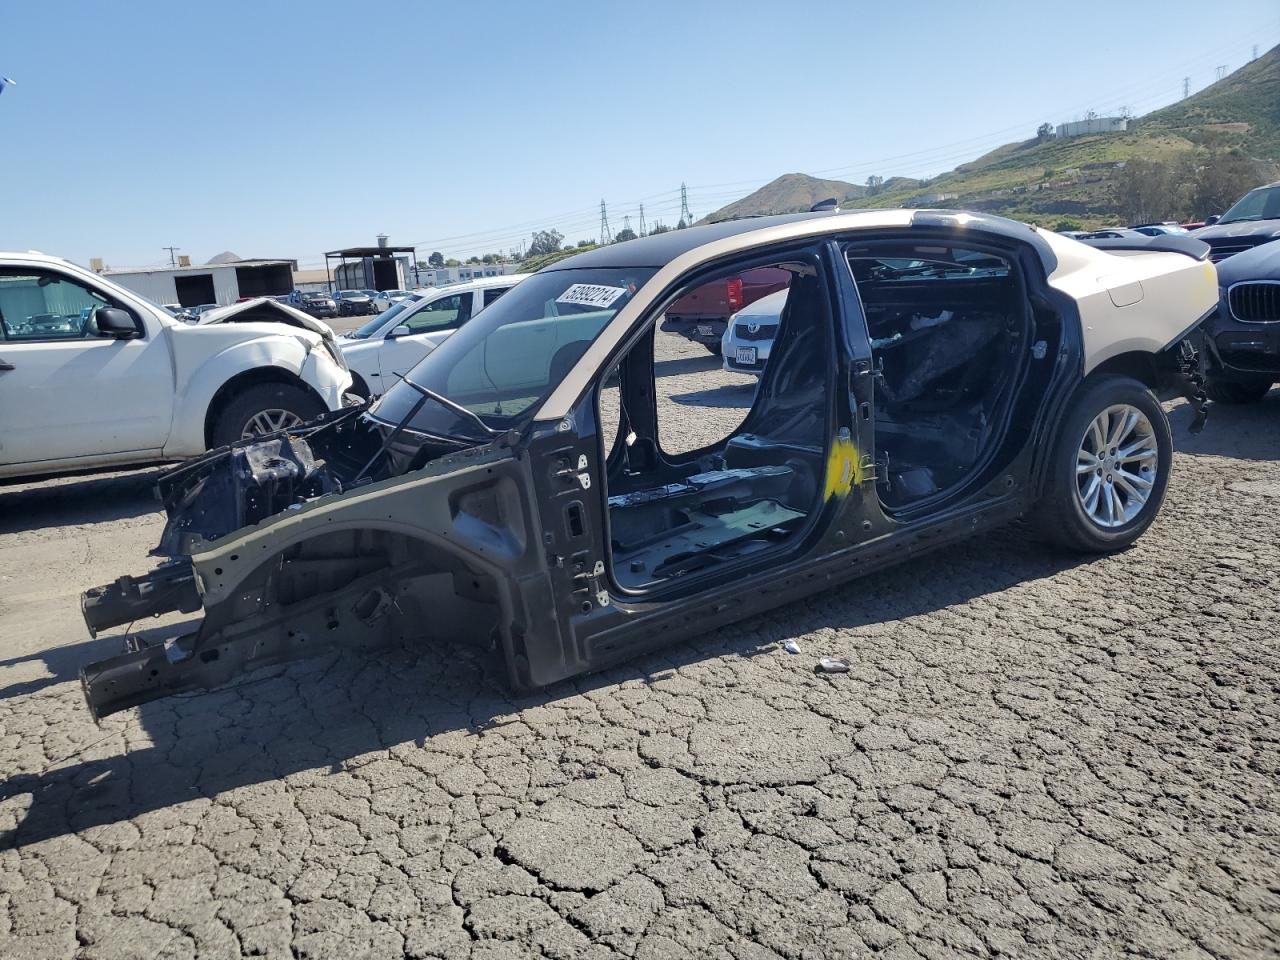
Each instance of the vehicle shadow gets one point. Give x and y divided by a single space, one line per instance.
323 712
1246 431
682 365
739 395
75 501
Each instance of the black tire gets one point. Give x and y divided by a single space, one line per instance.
714 348
1237 391
235 416
1059 517
359 387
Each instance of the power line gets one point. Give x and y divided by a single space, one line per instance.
935 156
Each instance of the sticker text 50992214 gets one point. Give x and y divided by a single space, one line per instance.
591 295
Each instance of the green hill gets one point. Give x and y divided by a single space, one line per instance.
1241 110
1051 178
788 193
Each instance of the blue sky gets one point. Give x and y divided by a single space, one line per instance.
286 129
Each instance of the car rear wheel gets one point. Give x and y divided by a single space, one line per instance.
263 409
1108 470
1237 391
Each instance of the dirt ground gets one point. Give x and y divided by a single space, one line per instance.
1035 755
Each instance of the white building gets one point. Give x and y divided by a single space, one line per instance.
220 283
441 276
1079 128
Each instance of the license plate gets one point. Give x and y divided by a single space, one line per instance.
704 330
746 355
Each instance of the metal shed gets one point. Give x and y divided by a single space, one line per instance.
220 283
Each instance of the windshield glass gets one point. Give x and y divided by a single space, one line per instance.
510 357
1260 204
373 325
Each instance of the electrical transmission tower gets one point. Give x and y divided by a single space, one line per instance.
172 260
1222 71
626 226
606 236
685 215
1255 52
1186 87
642 229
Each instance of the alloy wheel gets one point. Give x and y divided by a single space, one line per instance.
270 421
1116 465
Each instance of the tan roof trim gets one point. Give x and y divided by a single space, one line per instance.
562 399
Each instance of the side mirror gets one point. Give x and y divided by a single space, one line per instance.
116 323
1210 221
399 331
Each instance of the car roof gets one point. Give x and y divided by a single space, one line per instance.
475 284
658 250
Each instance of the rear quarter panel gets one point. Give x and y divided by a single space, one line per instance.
1132 302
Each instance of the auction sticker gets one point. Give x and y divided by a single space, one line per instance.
591 295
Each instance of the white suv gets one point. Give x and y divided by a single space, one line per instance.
390 345
93 375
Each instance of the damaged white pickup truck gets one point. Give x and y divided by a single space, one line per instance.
93 375
934 374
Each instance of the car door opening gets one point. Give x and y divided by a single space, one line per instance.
949 329
674 514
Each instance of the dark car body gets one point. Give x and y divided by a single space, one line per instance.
488 498
353 303
1243 336
1251 221
317 304
703 314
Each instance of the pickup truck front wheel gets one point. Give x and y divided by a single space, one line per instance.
262 409
1108 470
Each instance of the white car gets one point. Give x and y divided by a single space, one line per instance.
391 344
750 334
92 375
387 299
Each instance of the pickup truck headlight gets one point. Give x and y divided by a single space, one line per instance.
331 348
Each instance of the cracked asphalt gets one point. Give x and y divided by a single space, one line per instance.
1034 755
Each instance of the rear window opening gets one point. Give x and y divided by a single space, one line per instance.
948 327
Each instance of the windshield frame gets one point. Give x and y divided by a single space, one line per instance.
476 353
1265 192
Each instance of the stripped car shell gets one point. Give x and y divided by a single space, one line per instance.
520 523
